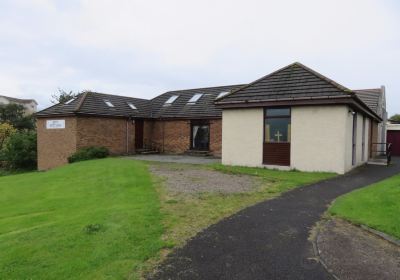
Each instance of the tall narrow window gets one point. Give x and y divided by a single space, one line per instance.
354 140
277 125
363 139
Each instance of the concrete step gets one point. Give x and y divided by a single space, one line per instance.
146 151
197 153
377 161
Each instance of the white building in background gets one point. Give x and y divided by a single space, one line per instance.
30 105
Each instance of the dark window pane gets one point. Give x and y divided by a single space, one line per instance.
277 130
277 112
200 137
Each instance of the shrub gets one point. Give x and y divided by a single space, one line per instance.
6 130
19 151
88 153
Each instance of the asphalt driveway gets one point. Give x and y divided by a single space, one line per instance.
268 240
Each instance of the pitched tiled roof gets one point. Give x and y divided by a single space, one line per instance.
92 103
180 108
291 82
370 97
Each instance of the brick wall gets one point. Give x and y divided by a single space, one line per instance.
216 137
106 132
174 136
169 136
55 145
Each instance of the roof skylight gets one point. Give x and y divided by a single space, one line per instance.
195 98
133 107
108 102
69 101
171 99
223 93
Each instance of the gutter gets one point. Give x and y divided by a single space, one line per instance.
351 99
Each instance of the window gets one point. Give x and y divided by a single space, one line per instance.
133 107
195 98
108 102
171 99
277 125
200 138
363 139
222 94
354 139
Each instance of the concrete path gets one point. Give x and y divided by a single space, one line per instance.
177 158
352 253
268 240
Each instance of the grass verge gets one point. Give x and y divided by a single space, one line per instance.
376 206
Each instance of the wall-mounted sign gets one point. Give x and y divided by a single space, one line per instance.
55 124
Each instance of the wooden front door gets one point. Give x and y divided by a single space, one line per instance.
139 134
393 136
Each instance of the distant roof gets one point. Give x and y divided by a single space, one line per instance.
290 82
371 97
19 100
204 107
93 103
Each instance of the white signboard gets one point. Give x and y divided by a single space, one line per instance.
55 124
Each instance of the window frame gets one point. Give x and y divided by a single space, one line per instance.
276 117
196 97
200 123
222 94
171 100
131 105
108 103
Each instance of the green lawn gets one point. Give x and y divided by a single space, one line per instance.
110 219
377 206
44 218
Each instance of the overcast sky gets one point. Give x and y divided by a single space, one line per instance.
144 48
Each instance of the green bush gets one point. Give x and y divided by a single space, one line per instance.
88 153
19 151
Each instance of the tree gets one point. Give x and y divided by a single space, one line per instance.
6 130
19 151
14 114
395 117
62 96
